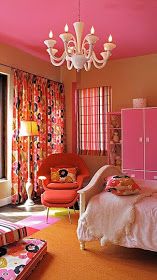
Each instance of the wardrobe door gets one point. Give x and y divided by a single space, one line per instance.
151 139
132 139
138 174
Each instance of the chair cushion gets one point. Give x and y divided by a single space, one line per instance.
11 232
59 196
63 175
62 186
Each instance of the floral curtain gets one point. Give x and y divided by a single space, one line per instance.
40 100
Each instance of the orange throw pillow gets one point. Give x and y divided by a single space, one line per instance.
122 185
63 175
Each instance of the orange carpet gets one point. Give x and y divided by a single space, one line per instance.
65 261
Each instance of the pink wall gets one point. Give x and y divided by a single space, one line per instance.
130 78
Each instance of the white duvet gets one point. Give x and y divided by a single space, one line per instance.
130 221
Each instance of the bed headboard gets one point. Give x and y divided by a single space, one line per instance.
96 184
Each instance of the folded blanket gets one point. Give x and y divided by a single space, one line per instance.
113 218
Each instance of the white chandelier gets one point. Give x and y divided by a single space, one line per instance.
77 53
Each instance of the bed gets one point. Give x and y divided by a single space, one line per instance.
132 224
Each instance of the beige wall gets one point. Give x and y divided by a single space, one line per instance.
15 58
68 77
130 78
18 59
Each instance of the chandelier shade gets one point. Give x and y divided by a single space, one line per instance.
79 53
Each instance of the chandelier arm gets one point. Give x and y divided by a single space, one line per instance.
108 54
69 64
84 42
73 40
57 58
99 66
90 49
66 45
66 49
57 63
87 65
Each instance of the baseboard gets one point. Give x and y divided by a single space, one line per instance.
5 201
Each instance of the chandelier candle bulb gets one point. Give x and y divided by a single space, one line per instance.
51 35
109 46
66 37
66 28
50 42
92 31
110 39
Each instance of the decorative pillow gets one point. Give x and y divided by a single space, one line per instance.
63 175
10 232
122 185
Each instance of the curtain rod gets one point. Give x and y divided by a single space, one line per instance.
15 68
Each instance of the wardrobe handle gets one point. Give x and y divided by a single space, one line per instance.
147 139
140 139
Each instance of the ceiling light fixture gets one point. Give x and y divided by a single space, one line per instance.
77 53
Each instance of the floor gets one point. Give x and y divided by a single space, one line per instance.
15 213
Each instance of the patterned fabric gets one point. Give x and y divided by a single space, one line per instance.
40 100
10 232
92 107
14 258
63 175
122 185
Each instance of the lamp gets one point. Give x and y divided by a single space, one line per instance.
29 128
77 53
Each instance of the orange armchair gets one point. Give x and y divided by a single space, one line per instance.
58 194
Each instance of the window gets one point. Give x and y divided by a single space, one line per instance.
3 124
93 104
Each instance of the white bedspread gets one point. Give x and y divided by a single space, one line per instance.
130 221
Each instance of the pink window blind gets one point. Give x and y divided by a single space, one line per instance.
93 106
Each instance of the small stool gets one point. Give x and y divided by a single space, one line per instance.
59 198
20 258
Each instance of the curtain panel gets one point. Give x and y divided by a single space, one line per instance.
43 101
92 106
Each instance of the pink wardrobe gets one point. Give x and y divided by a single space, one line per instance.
139 142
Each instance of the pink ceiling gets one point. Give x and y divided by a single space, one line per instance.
25 24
